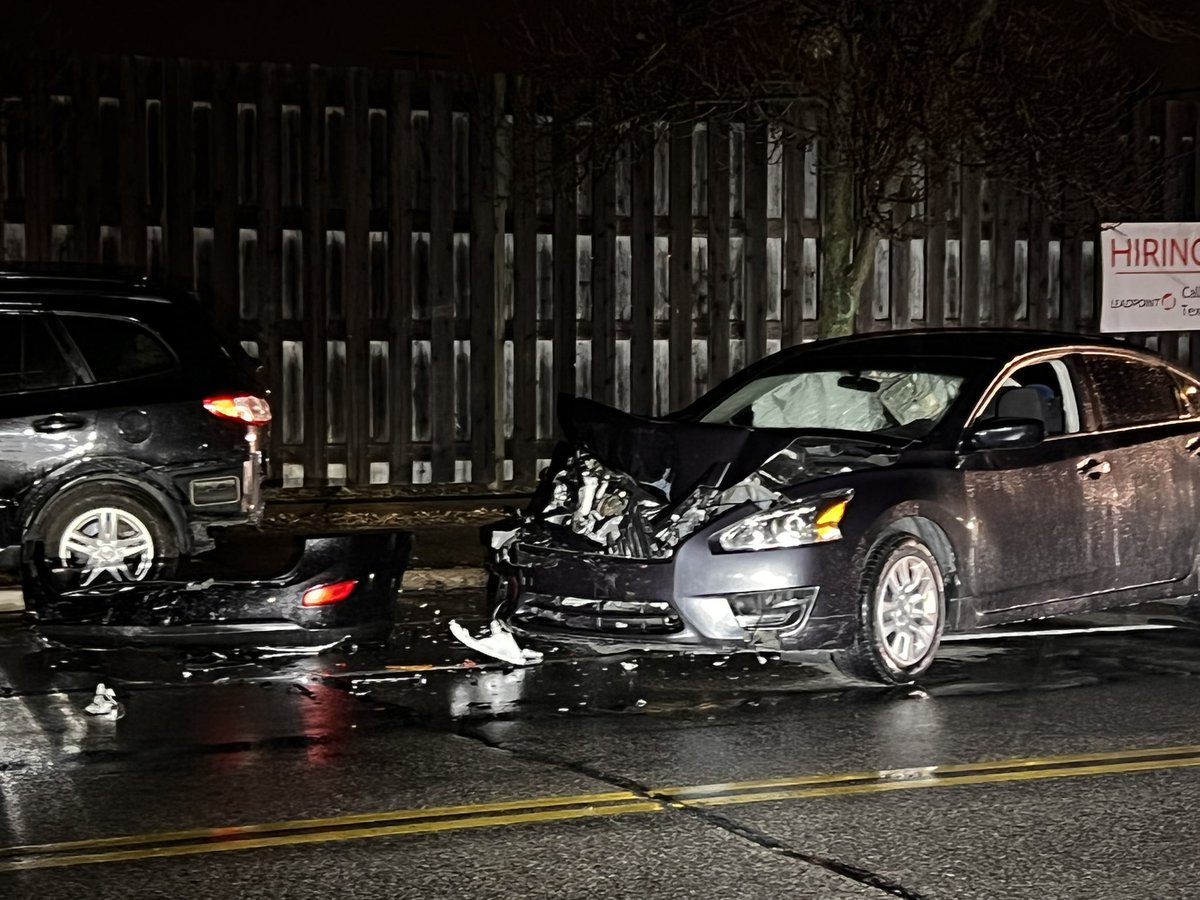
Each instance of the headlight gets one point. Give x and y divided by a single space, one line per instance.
813 520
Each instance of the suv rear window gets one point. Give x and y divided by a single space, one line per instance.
117 349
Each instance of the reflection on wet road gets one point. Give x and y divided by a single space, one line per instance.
1060 760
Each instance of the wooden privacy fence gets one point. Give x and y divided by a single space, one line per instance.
420 294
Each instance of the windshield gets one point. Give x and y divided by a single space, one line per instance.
907 404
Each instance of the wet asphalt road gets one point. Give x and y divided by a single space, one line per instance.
432 783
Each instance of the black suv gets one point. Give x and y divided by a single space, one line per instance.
128 427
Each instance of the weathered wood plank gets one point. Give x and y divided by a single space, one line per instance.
604 285
1003 257
641 348
719 288
524 329
441 275
486 314
225 298
179 204
566 276
969 213
680 267
755 259
1070 275
270 238
935 245
1039 269
356 130
792 293
86 203
39 161
315 352
400 179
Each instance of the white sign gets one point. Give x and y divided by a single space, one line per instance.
1151 276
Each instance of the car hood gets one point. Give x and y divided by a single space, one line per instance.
675 457
636 487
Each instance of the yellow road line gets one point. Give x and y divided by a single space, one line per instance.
313 837
582 806
881 787
877 774
383 817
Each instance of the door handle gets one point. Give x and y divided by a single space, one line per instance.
1093 468
56 423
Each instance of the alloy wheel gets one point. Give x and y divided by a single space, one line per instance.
907 610
107 541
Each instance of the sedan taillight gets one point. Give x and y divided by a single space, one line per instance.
242 407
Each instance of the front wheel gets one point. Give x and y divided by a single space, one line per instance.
902 611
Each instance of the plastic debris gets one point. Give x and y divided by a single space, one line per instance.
628 666
498 644
105 703
640 704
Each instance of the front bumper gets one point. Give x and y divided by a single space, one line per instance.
236 611
691 601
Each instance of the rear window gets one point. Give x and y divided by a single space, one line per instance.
1129 392
117 349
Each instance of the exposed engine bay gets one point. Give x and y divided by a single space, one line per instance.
591 507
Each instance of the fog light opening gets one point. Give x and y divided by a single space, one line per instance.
324 594
772 609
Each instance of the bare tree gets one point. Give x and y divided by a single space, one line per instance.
1033 93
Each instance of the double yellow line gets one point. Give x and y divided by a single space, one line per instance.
584 806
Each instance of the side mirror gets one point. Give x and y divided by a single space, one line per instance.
1006 434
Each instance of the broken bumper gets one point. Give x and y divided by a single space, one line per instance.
235 611
793 599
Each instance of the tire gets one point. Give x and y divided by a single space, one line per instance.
108 533
902 612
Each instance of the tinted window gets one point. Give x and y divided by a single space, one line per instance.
30 359
117 349
1129 392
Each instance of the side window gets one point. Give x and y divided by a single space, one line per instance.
30 358
1041 390
117 349
1130 392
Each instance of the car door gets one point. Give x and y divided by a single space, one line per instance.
1145 441
1035 511
41 423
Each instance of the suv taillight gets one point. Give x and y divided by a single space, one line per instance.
242 407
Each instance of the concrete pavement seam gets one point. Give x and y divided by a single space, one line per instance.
727 824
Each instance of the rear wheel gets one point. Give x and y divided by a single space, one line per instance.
108 533
902 611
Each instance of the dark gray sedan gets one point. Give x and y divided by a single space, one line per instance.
866 496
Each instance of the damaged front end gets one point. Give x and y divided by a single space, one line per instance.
644 542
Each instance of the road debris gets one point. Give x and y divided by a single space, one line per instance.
498 644
105 703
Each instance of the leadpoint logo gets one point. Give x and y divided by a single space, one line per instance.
1166 302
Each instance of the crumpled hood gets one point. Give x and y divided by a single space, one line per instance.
678 457
637 487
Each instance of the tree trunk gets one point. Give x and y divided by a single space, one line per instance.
847 255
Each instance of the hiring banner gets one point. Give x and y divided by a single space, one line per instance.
1150 274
